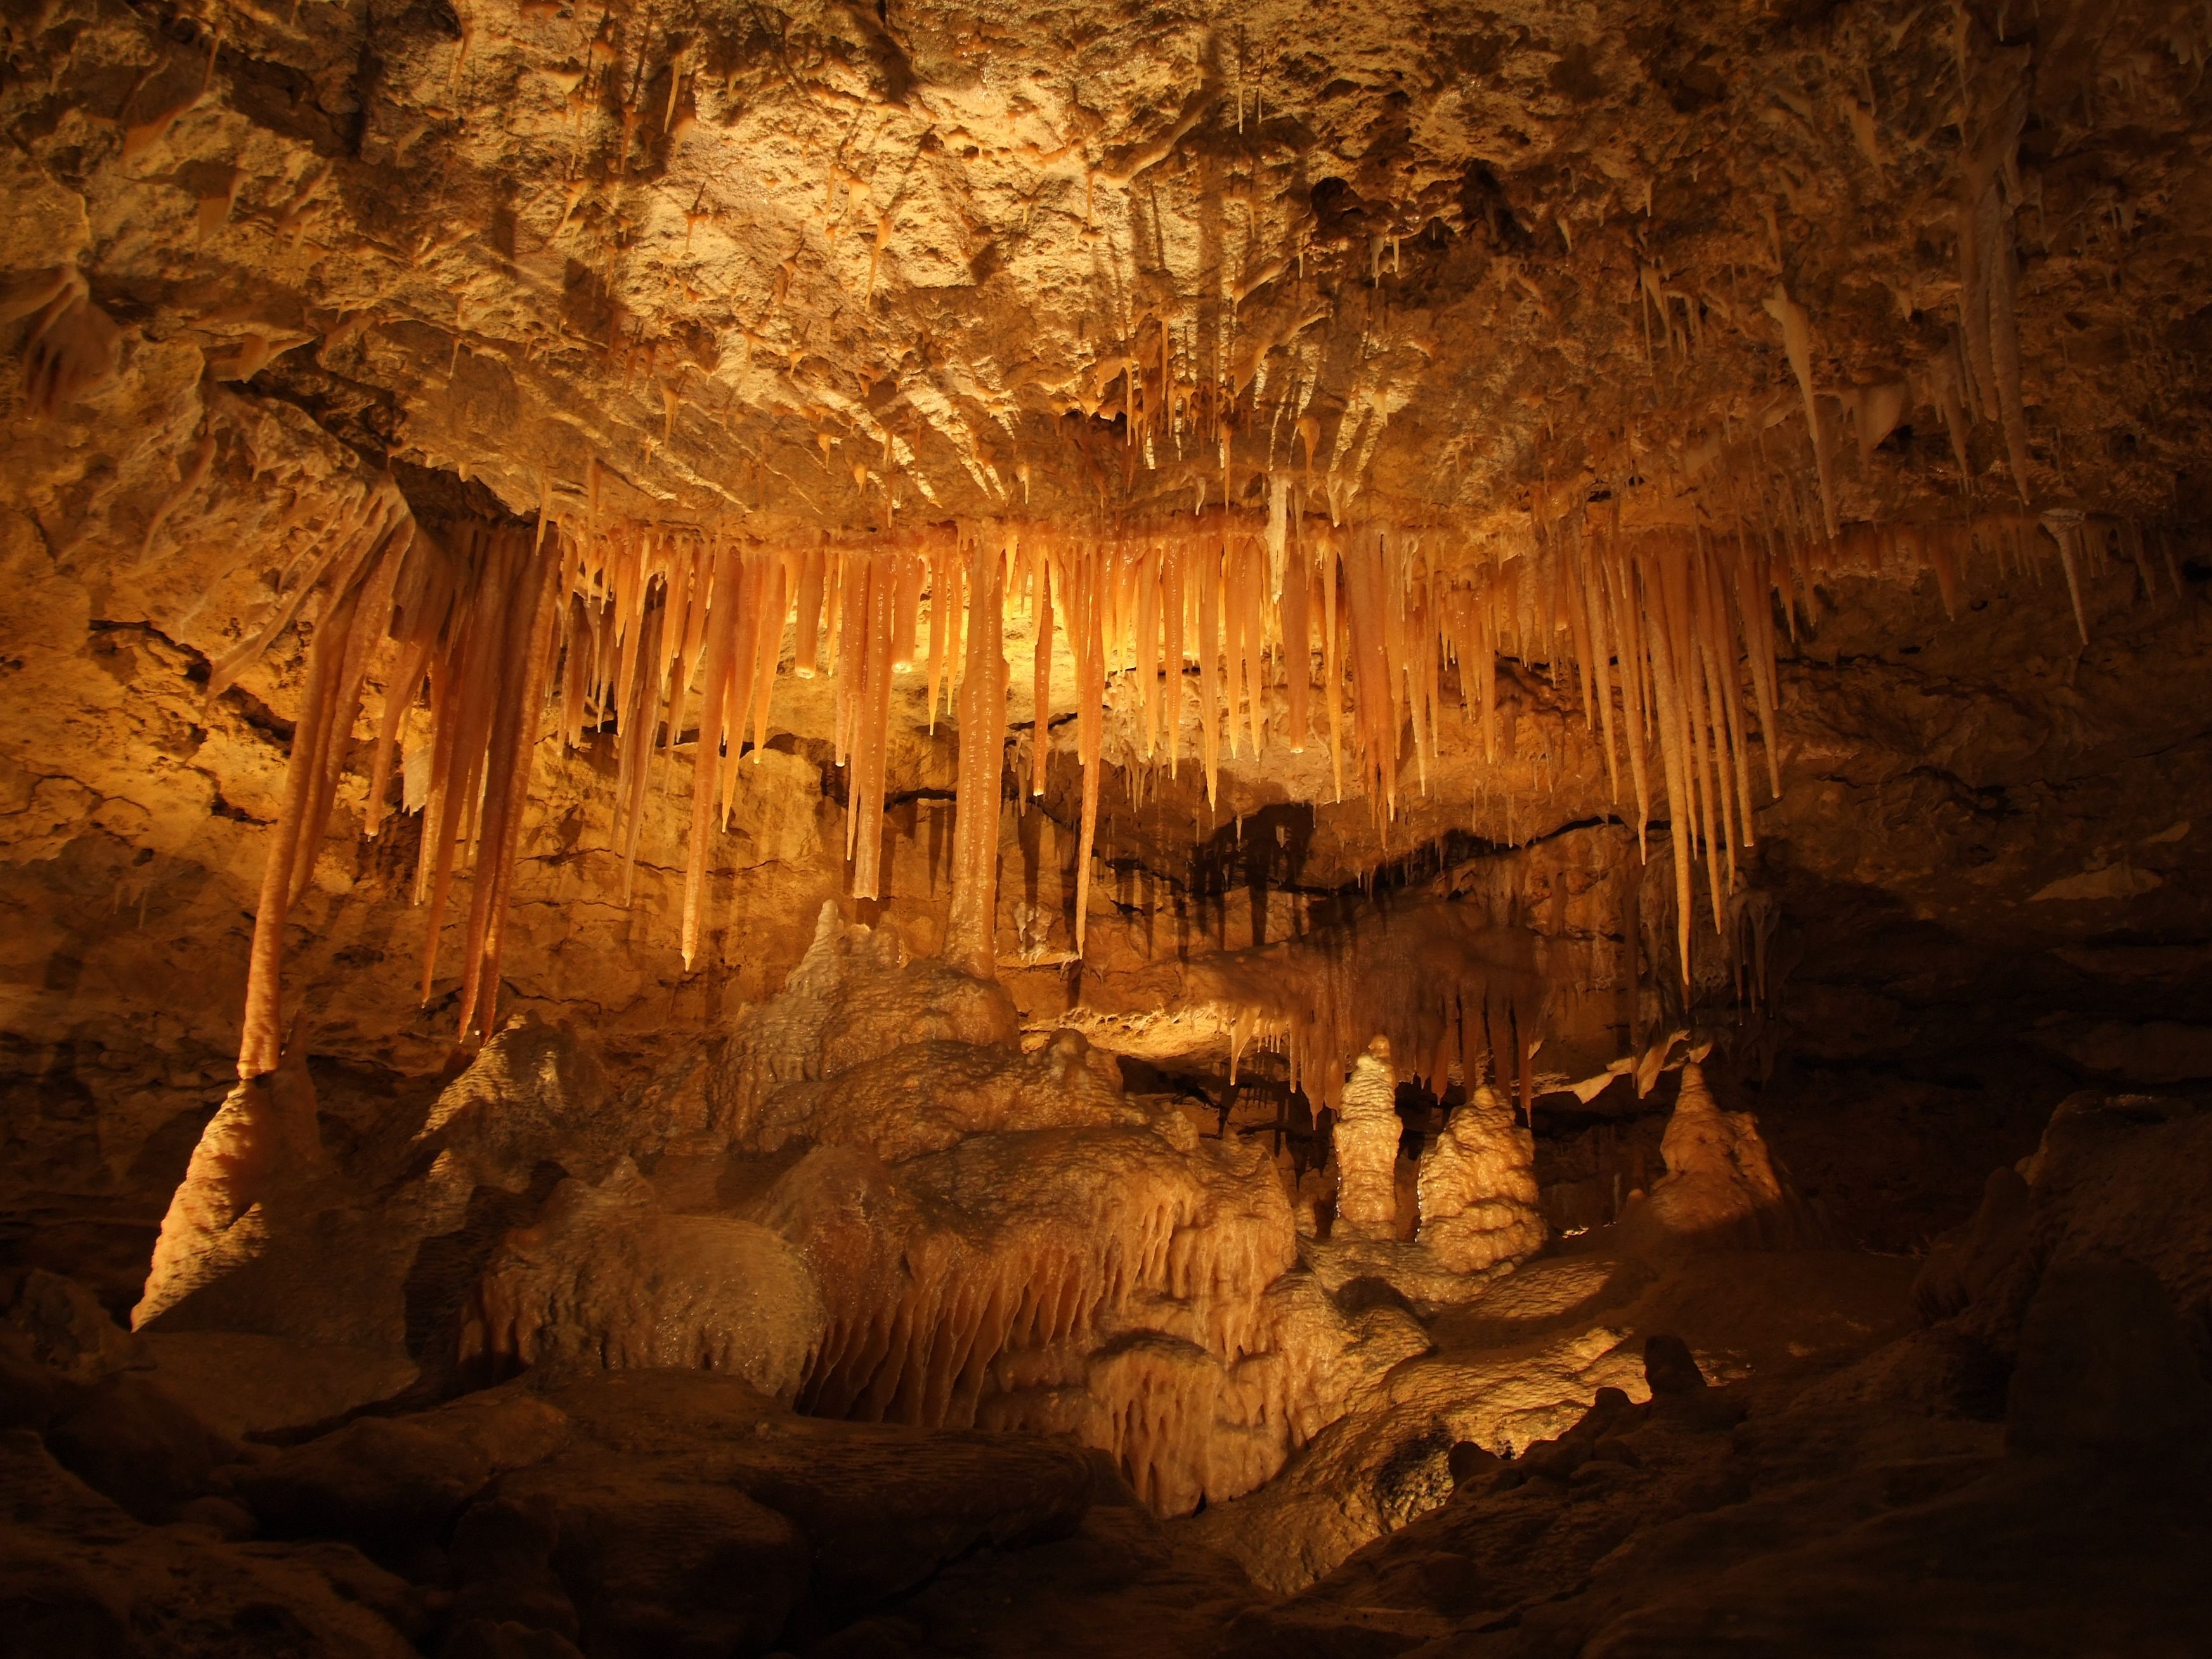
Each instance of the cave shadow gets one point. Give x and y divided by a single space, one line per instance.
1262 850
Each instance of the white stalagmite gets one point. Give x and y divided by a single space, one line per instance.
1477 1187
1365 1140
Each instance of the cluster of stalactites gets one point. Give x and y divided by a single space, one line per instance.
1298 632
664 627
1451 994
1668 631
462 625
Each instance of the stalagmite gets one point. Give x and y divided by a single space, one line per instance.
1365 1141
1477 1187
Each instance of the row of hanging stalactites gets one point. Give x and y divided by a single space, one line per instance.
1238 632
1668 633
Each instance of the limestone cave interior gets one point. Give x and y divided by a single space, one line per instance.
1218 827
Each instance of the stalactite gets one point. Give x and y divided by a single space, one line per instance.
1672 728
1147 658
1086 625
872 657
1205 575
1041 673
1374 700
523 666
1624 607
1797 346
1298 641
1332 664
707 767
1667 631
74 348
971 932
1601 650
637 727
809 621
906 608
358 595
1990 126
774 605
1251 590
1174 604
1235 652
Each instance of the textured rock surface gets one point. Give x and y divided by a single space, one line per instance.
1892 318
1890 1498
1721 1189
1478 1188
605 1275
1366 1146
630 1512
866 1196
1836 1455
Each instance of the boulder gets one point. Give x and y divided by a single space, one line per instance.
2104 1367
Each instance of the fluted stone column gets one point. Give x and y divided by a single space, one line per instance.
1366 1142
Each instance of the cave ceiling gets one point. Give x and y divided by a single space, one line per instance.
831 264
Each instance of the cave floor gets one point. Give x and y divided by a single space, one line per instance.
1844 1487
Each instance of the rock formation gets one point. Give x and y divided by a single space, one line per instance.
866 1197
1477 1187
1365 1143
851 829
1721 1189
